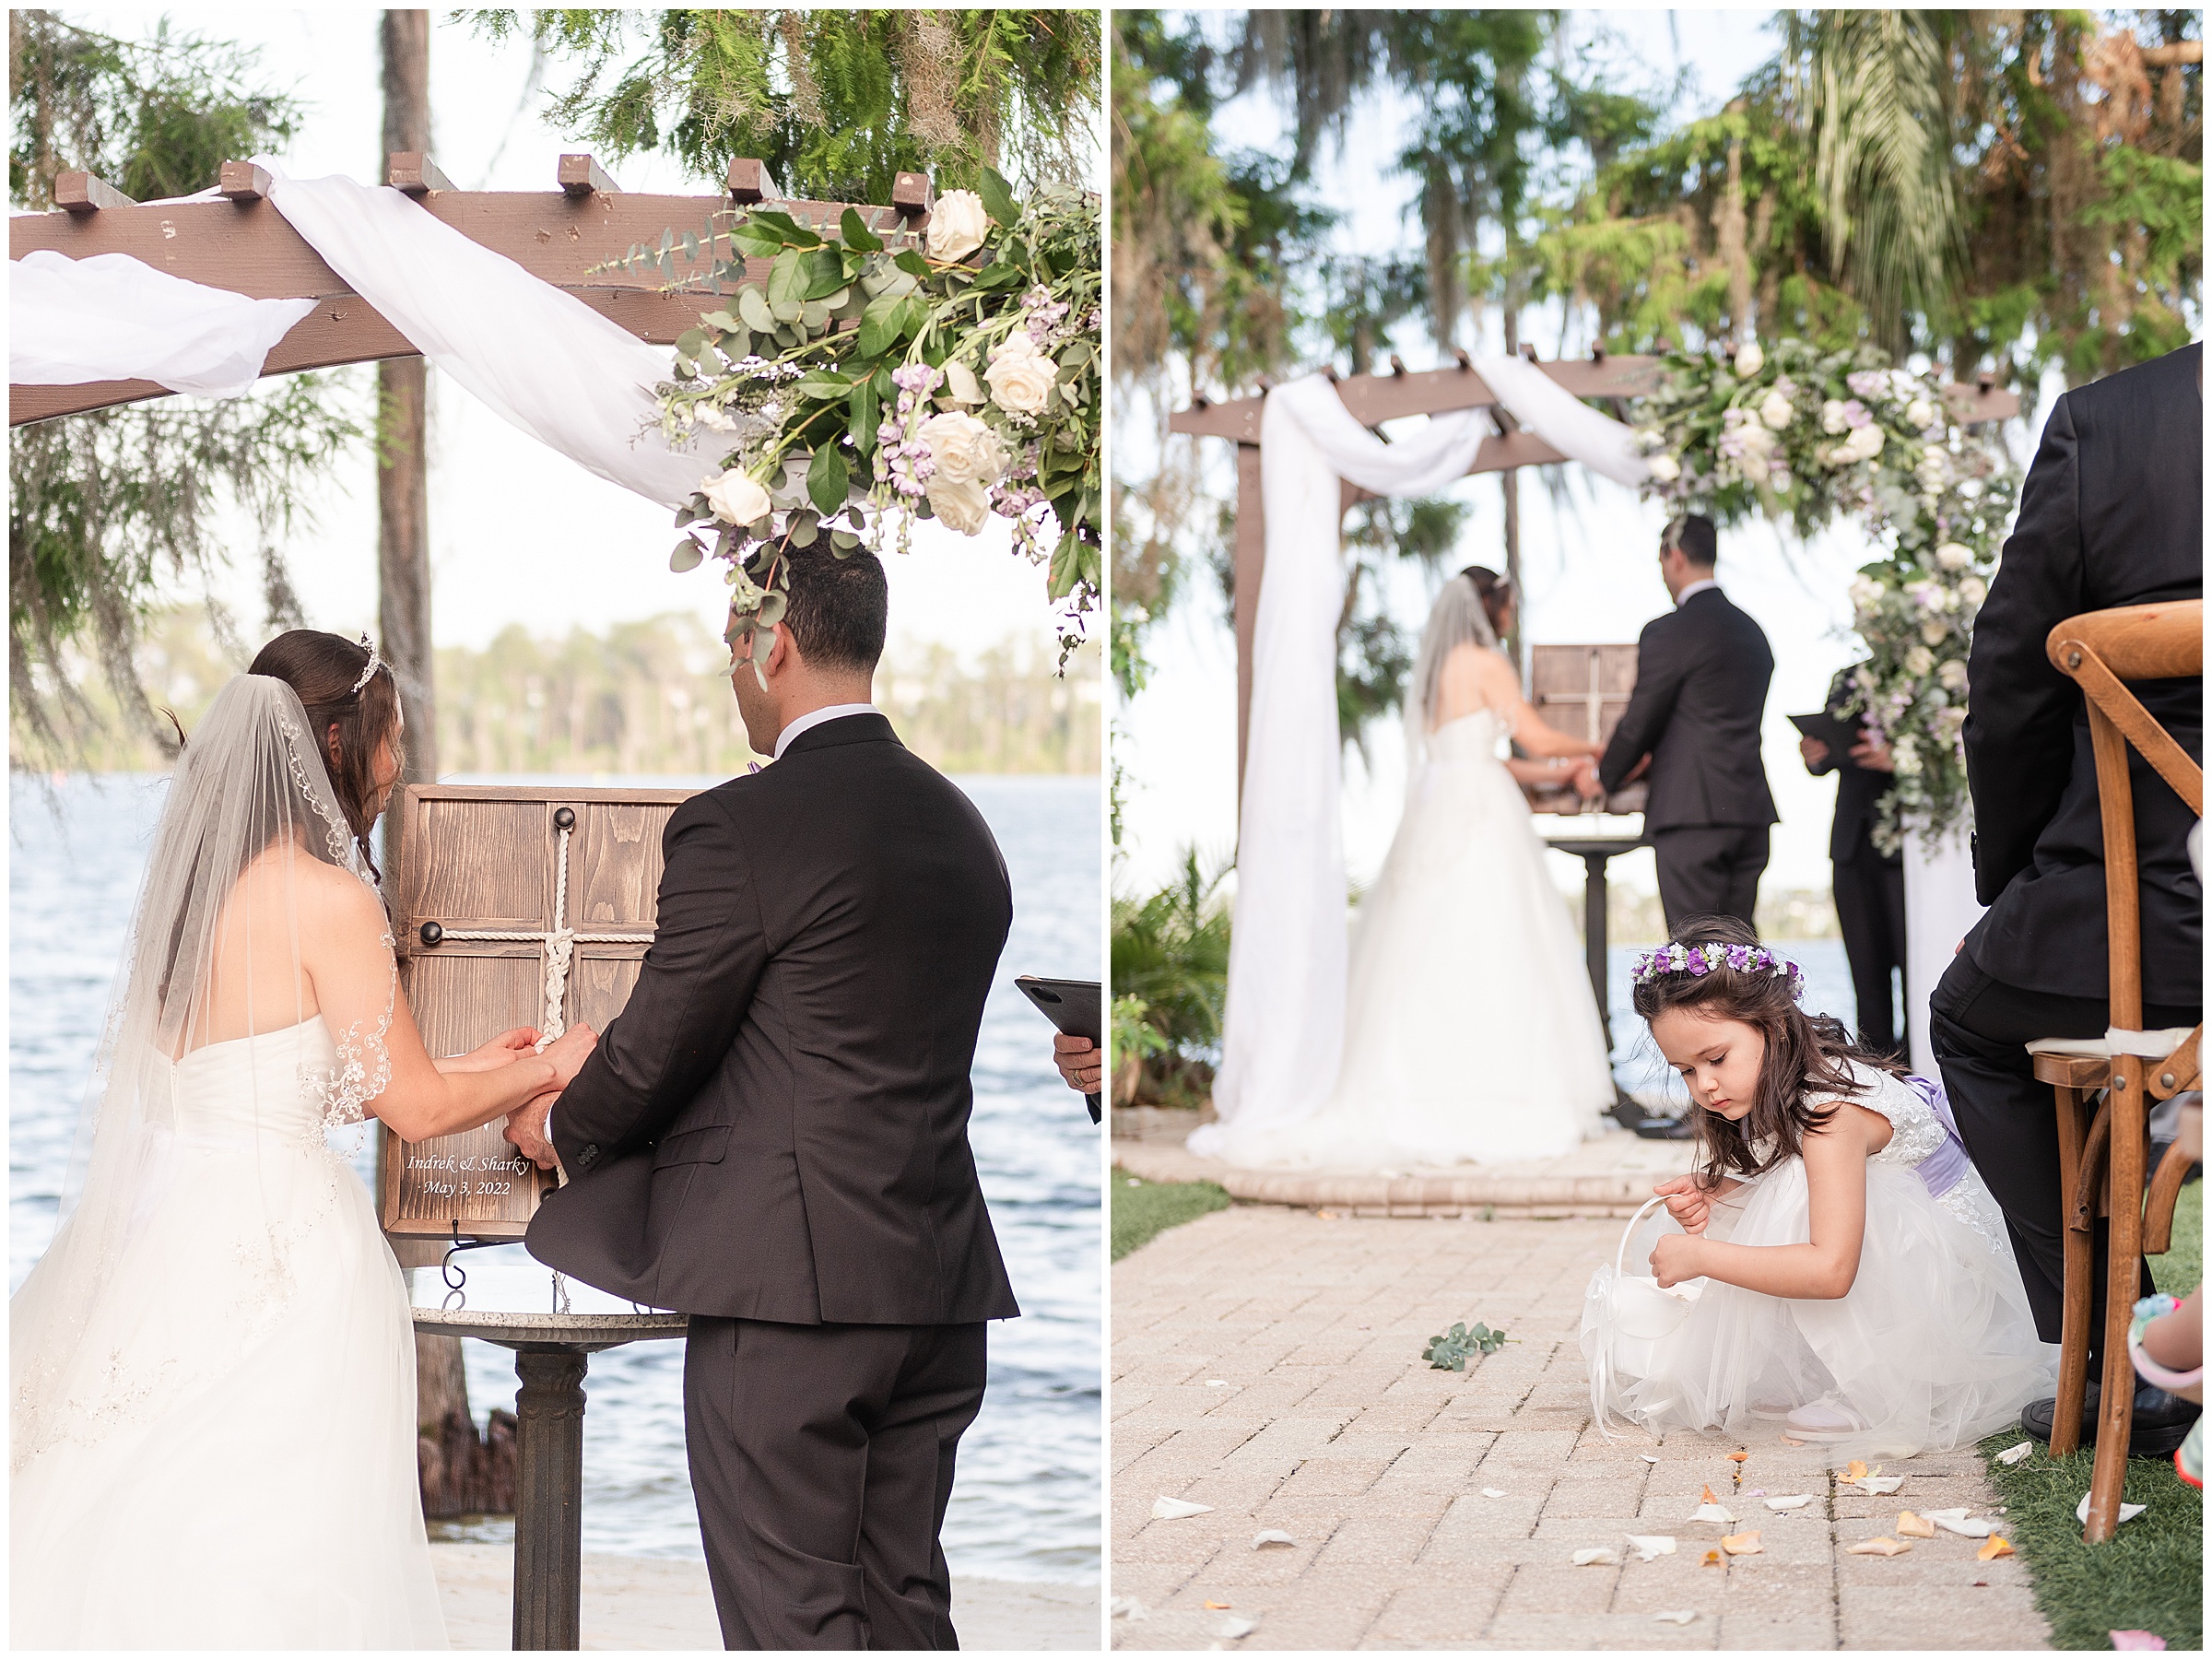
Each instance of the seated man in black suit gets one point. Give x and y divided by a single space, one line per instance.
1869 883
2112 514
1701 675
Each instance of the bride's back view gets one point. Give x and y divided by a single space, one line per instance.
213 1406
1470 1034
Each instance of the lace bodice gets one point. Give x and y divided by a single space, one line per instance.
295 1083
1915 1133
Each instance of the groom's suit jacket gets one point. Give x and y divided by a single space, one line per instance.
2112 513
1701 675
776 1125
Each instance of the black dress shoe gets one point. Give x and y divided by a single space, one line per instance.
2160 1424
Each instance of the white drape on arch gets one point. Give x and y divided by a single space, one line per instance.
540 357
1282 1030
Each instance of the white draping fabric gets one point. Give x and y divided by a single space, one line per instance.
1282 1028
1939 910
541 358
115 318
1563 420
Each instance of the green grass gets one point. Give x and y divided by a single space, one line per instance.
2149 1576
1144 1209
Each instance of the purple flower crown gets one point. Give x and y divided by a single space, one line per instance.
1702 959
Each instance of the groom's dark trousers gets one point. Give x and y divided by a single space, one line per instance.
1702 677
772 1137
2112 513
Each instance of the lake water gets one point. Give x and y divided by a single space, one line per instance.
1636 1063
1027 1502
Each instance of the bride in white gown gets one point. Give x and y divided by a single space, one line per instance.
1470 1033
212 1367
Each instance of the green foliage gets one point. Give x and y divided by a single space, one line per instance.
108 510
1170 955
1455 1348
1143 1210
836 102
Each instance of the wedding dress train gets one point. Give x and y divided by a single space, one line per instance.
227 1457
1470 1032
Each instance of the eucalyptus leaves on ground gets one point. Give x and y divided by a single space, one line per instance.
952 374
1804 436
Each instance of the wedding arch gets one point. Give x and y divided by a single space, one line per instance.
1306 454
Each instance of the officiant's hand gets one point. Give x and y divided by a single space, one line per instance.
567 1052
1676 1258
1686 1202
1080 1062
1815 751
507 1047
526 1129
1874 756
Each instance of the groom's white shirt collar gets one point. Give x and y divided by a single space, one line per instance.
814 717
1693 588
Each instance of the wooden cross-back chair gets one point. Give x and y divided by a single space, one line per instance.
2104 1089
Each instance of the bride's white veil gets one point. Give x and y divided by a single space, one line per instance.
1458 618
252 839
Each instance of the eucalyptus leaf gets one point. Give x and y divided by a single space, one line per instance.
752 305
772 607
815 315
843 541
802 530
685 555
788 311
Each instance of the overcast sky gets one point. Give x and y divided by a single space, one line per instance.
518 533
1588 566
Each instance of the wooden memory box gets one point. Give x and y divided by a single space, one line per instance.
1583 691
505 892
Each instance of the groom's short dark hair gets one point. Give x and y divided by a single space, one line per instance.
1694 534
839 609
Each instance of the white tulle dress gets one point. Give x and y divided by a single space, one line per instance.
1470 1032
1931 1348
226 1458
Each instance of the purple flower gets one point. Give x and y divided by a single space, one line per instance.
1868 382
1696 963
1856 414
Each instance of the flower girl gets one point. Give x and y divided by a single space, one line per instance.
1843 1272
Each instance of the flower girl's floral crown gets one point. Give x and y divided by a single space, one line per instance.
1702 959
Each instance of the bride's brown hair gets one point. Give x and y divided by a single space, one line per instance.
349 725
1804 1051
1496 593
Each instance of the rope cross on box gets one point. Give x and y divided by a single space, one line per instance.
1582 690
519 907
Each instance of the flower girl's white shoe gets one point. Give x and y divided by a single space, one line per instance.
1822 1420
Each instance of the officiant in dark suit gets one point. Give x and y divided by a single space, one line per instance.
1693 719
2112 514
772 1137
1869 885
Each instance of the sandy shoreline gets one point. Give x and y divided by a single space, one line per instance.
650 1602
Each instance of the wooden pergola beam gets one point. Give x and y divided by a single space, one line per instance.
244 245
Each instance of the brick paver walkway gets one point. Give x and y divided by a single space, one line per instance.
1268 1363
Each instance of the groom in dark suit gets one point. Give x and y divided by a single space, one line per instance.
772 1137
1701 675
2112 514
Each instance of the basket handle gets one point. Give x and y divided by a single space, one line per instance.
1620 1254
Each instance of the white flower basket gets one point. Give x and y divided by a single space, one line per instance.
1638 1315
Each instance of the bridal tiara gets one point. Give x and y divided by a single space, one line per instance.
375 663
1703 960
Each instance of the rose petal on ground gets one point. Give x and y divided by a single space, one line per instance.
2128 1512
1271 1536
1676 1616
1711 1559
1788 1443
1217 1382
1743 1544
1909 1526
1648 1545
1236 1626
1878 1548
1879 1485
1493 1492
1594 1556
1790 1501
2136 1640
1998 1546
1706 1497
1737 1458
1212 1604
1956 1521
1127 1607
1175 1510
1648 1457
1856 1470
2013 1454
1713 1512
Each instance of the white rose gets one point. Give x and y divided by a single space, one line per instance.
1932 470
956 225
1832 415
1920 415
1933 630
1952 675
1865 591
736 497
1973 589
966 452
1955 556
1756 440
1749 361
960 383
1019 374
1776 411
1919 660
963 504
1664 468
1865 443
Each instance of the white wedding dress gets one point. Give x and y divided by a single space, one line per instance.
1470 1032
212 1367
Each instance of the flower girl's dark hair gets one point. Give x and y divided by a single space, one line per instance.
1804 1051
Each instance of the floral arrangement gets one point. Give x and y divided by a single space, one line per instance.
952 374
1806 436
1695 961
